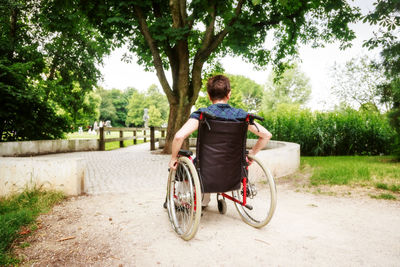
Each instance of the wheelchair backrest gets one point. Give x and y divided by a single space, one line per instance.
221 154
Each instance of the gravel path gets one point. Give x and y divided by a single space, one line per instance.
121 222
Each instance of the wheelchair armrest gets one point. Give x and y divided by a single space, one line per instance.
186 153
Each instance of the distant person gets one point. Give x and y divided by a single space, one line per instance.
95 127
108 124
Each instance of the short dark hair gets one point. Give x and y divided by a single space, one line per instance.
218 87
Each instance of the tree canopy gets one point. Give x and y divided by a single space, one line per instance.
185 36
48 57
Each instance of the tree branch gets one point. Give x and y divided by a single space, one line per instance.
178 11
210 44
171 52
154 52
209 34
175 12
182 6
13 32
216 40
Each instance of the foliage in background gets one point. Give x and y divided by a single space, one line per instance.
154 101
356 82
292 87
251 92
48 57
21 210
343 132
113 105
90 111
387 16
245 94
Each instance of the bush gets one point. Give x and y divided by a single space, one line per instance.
345 132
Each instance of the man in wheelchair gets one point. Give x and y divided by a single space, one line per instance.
222 165
219 92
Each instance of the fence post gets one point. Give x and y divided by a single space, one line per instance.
134 137
144 134
121 142
152 139
102 145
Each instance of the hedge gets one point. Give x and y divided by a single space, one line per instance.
345 132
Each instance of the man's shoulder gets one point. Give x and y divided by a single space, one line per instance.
196 114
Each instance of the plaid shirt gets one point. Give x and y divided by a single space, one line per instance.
223 112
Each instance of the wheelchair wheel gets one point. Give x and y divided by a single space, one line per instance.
261 195
222 206
184 199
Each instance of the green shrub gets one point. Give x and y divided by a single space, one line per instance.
345 132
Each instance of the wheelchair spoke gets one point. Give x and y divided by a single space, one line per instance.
182 198
261 196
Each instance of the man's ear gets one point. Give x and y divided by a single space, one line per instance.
229 95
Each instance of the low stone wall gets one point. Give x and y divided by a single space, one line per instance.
66 175
282 158
31 148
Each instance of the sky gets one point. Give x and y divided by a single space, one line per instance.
315 63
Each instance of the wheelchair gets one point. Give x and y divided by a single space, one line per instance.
221 165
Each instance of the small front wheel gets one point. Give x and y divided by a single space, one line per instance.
184 199
260 195
222 206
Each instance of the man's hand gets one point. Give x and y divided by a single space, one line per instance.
251 153
173 163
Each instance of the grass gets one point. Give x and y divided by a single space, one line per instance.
109 145
346 170
115 145
380 172
384 196
20 212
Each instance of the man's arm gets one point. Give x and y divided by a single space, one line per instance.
189 127
263 138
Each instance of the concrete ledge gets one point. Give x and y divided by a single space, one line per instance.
66 175
31 148
282 158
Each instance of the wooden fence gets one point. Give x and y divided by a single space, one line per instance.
136 135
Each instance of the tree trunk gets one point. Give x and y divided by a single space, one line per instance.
178 115
13 32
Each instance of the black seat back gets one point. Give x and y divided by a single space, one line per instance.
221 147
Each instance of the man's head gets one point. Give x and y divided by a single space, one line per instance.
218 88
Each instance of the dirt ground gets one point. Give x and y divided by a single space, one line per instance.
133 230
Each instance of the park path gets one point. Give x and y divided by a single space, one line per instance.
121 222
125 170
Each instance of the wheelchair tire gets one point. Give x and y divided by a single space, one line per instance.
261 195
184 199
222 206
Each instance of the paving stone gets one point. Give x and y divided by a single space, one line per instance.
130 169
